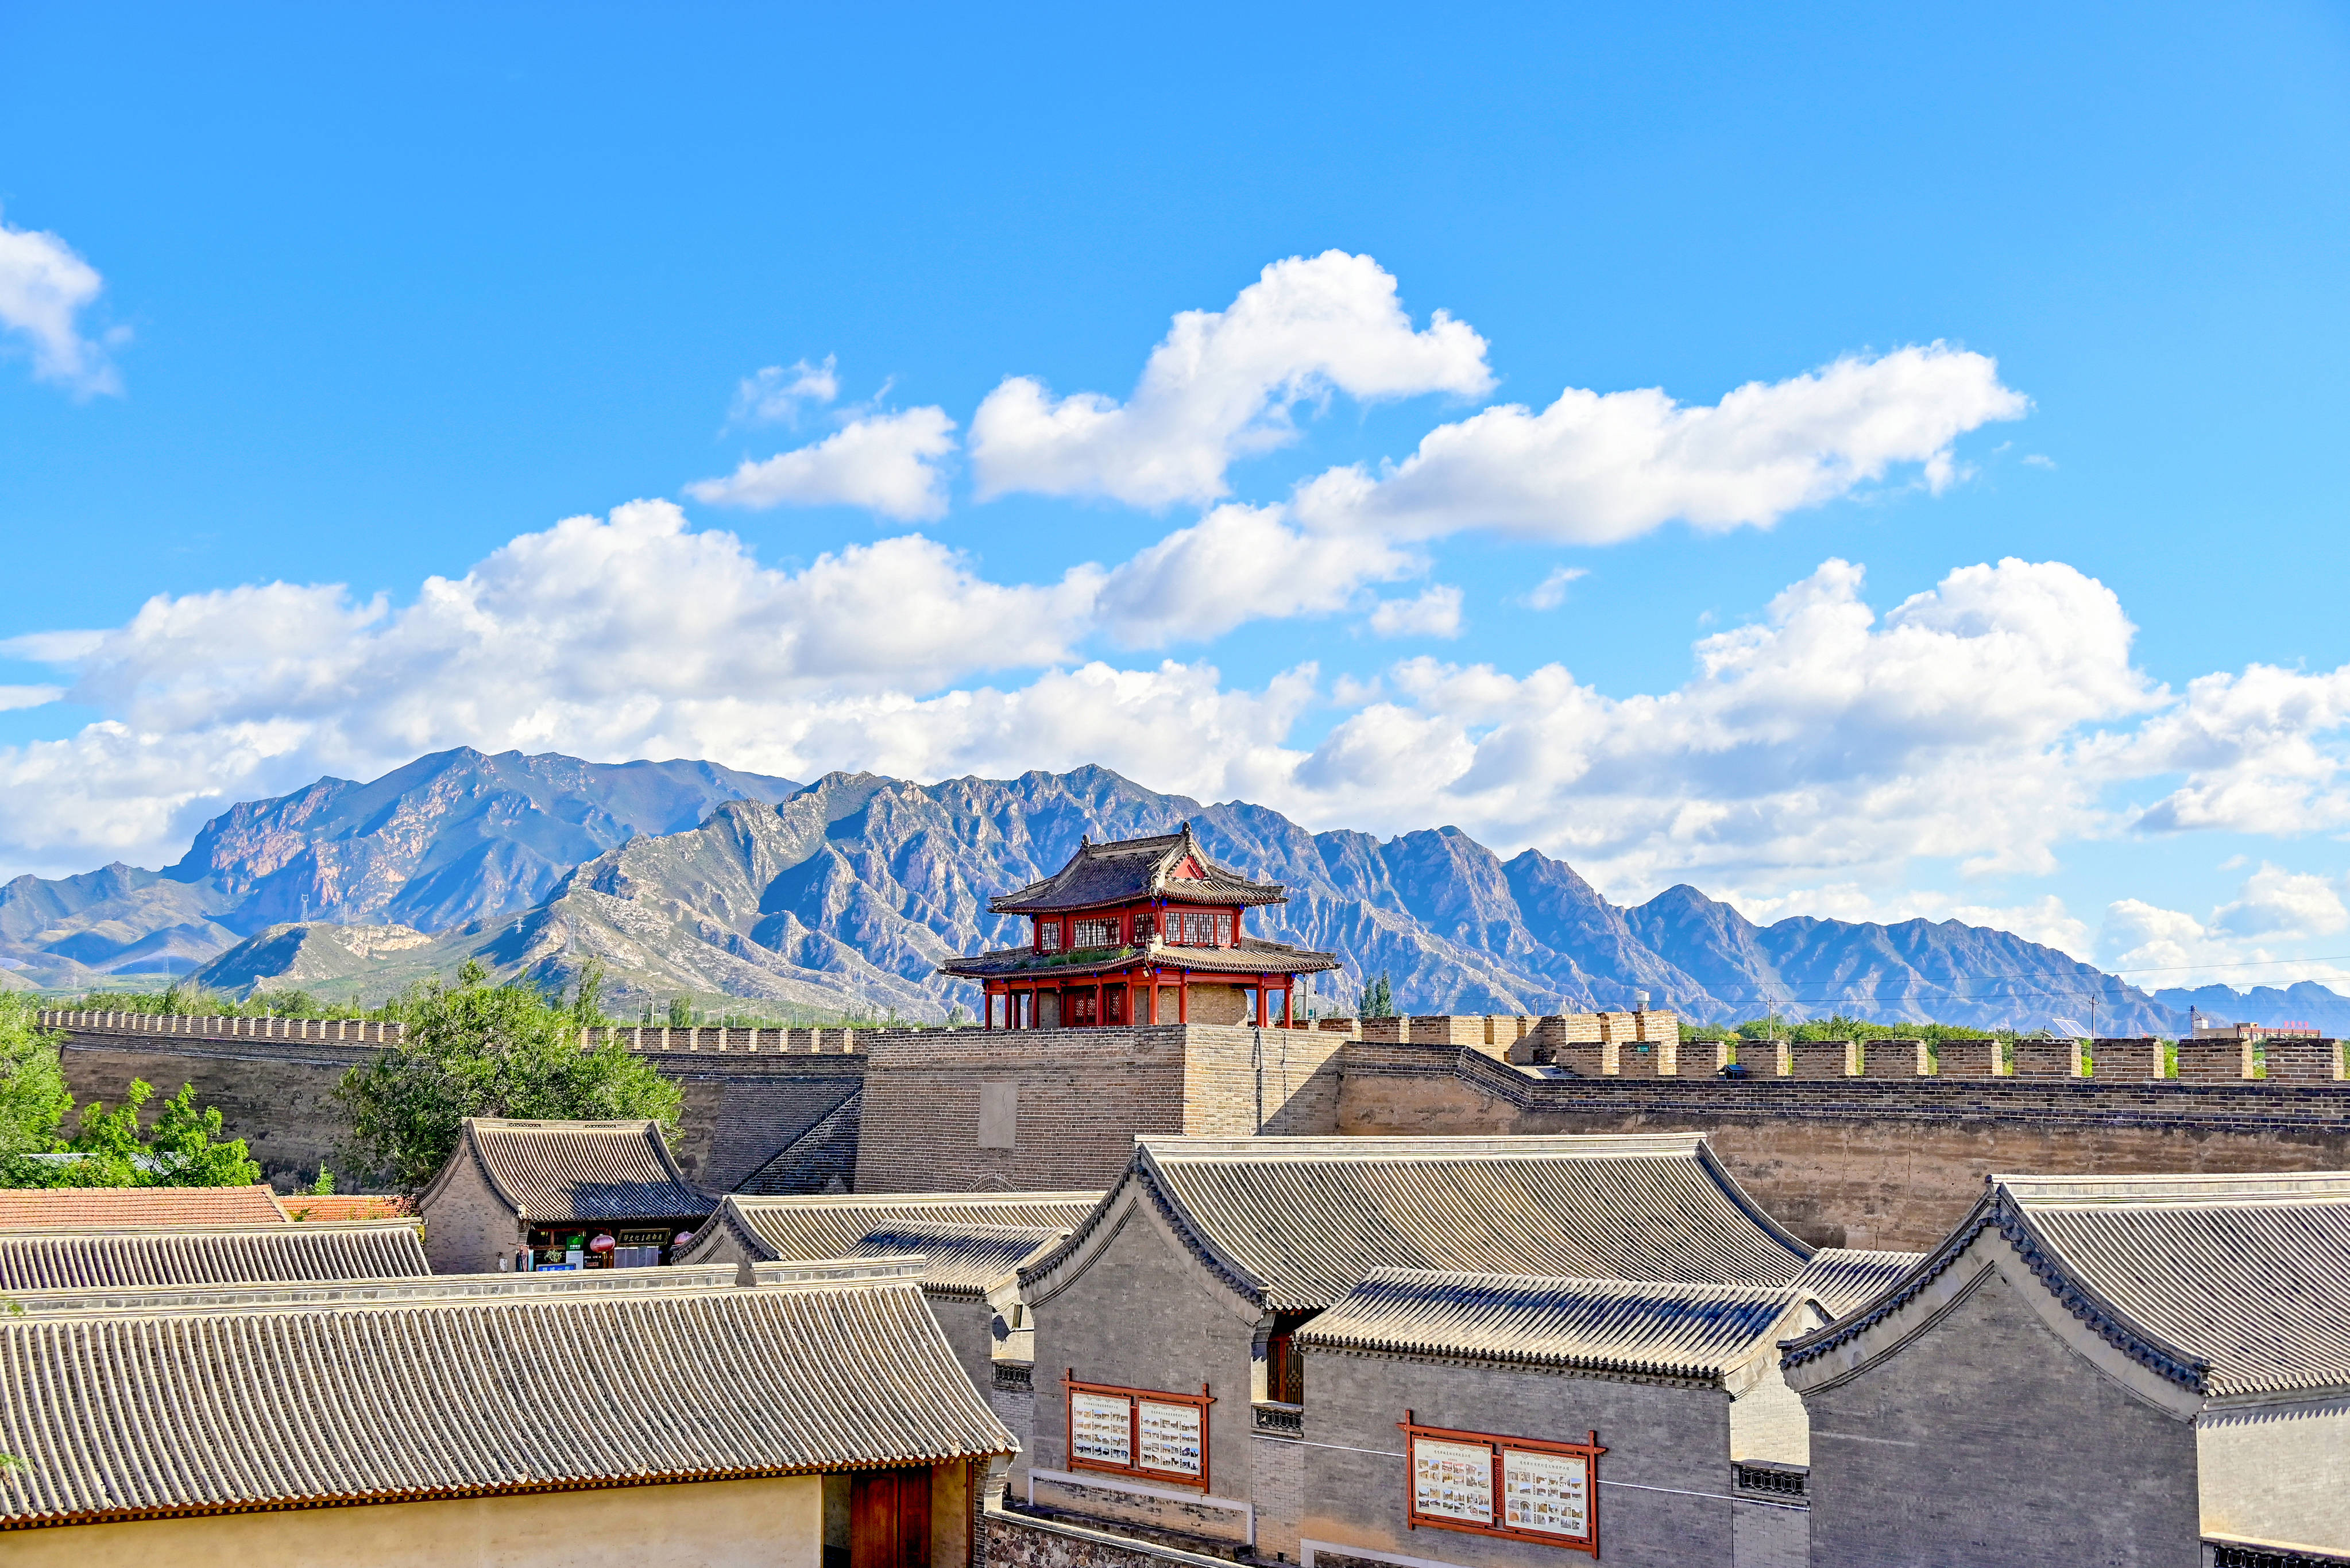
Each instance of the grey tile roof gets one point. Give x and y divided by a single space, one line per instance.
1127 869
236 1255
836 1226
958 1259
552 1172
2224 1284
1843 1277
1707 1333
274 1406
185 1299
1248 956
1298 1222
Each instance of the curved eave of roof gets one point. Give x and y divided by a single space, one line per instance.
470 1145
1250 957
1998 1211
1164 852
1719 1334
1144 1176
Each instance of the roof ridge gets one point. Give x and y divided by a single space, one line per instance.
1360 1149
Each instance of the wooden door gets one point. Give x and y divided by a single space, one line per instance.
889 1518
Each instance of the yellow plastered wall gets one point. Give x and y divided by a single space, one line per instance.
774 1523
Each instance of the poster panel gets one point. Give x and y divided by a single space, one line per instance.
1101 1428
1172 1437
1549 1494
1453 1481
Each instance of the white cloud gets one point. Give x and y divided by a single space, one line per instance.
1238 563
12 697
777 393
887 463
1820 752
1596 468
1550 592
44 289
1221 387
2274 902
1435 613
2261 753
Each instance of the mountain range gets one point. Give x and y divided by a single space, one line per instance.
838 898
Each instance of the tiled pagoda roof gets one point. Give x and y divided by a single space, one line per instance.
1247 956
1127 870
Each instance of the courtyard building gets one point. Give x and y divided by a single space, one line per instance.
538 1195
2097 1370
645 1417
1169 1390
1139 931
1500 1420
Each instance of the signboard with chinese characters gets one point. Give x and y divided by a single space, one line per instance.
1527 1488
1142 1432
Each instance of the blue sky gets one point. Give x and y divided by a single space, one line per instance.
310 307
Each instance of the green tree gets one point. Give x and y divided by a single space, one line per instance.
1379 998
34 1098
472 1049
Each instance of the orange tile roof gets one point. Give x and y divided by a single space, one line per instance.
348 1206
61 1208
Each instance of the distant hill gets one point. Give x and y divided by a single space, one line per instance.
841 897
453 837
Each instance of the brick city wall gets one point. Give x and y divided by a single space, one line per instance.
278 1094
1868 1162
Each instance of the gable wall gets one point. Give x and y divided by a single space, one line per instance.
468 1230
1985 1440
1144 1313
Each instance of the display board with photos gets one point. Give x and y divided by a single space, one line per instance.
1527 1488
1144 1432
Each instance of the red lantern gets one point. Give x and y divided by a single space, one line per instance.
602 1245
680 1239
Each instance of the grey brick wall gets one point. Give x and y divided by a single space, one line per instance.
1986 1441
1656 1436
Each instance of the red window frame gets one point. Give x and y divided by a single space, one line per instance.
1500 1446
1106 928
1048 936
1135 1398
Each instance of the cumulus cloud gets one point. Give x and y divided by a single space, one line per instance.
1222 386
887 463
1435 613
28 696
44 289
1819 752
2274 902
777 394
1595 468
2260 752
1238 563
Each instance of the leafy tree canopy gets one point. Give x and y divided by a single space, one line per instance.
472 1049
184 1148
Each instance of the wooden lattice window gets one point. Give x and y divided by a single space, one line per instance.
1100 933
1048 936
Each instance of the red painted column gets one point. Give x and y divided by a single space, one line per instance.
1260 1000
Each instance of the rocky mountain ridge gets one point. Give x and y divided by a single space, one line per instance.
840 896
